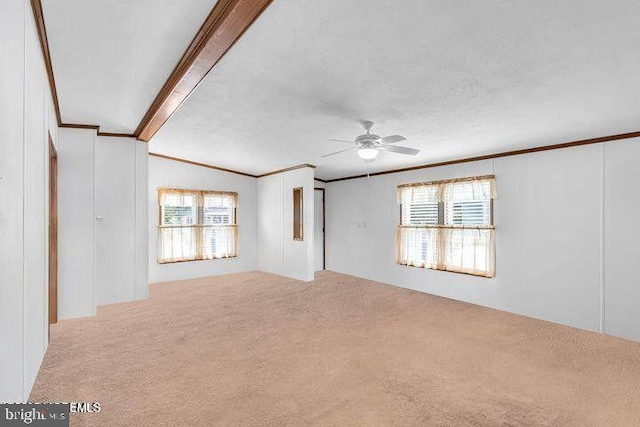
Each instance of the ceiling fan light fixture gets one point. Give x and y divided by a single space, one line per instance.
368 153
369 144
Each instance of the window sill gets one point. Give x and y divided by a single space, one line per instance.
195 260
484 276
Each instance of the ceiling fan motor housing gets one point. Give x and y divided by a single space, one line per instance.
367 138
370 144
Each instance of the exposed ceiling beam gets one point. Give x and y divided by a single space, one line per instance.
226 23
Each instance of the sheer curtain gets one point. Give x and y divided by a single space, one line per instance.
177 233
468 250
219 242
219 237
177 243
196 225
463 240
417 246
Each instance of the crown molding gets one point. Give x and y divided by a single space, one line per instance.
578 143
79 126
116 135
206 165
304 165
36 7
228 20
96 128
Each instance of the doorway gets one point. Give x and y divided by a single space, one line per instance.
319 231
53 233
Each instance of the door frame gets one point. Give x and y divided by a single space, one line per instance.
324 227
53 232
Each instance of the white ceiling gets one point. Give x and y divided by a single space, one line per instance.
111 57
458 78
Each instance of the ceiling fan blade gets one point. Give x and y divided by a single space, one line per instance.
392 138
338 152
342 140
401 150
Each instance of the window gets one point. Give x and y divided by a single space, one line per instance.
448 225
297 214
196 225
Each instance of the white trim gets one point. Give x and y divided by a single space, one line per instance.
602 240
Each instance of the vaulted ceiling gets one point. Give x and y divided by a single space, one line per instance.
111 57
458 78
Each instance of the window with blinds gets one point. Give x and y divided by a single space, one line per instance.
448 225
196 225
421 213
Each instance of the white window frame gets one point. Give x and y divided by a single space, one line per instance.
195 233
442 244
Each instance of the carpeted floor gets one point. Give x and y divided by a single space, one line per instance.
256 349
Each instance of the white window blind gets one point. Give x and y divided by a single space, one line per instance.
420 213
473 212
448 225
196 225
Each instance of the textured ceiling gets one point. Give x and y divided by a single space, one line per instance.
458 78
111 57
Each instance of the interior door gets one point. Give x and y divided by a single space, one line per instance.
115 222
318 234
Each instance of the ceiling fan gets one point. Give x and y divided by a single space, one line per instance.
369 144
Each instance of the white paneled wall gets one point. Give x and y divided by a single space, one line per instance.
121 226
564 253
168 173
271 224
265 221
102 221
115 220
278 253
142 220
76 223
27 118
318 230
299 261
622 239
36 201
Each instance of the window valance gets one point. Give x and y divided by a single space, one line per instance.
166 194
452 190
196 225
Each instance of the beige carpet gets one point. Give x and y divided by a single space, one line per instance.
260 350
